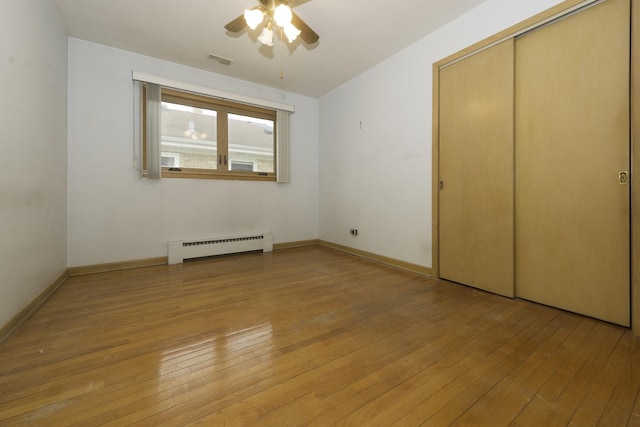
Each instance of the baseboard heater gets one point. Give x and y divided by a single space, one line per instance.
181 250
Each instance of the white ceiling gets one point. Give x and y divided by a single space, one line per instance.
354 35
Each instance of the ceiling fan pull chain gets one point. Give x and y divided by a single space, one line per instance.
281 55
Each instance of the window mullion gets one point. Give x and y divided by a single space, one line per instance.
223 138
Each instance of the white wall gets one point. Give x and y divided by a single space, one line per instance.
378 178
33 145
116 216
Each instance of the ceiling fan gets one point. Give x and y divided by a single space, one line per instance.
274 13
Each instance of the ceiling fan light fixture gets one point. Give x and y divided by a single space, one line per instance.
291 32
272 13
253 17
266 37
282 15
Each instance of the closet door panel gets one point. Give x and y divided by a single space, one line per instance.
476 170
572 143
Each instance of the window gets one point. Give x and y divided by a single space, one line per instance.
205 137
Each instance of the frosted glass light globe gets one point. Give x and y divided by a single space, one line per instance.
282 15
253 17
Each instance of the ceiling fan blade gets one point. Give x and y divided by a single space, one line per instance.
306 33
236 25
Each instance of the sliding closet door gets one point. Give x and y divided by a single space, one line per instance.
476 170
572 152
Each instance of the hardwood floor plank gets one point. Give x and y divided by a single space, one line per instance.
604 338
619 409
342 402
559 397
246 371
330 377
309 336
457 397
438 384
509 395
601 386
288 366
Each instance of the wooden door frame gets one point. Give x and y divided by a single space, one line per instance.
635 167
537 20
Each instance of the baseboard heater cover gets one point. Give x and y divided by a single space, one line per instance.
181 250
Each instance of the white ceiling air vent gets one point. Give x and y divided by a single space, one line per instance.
220 59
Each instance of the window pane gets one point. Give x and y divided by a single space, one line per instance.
189 136
251 143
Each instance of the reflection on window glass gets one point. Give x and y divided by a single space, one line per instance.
251 144
189 136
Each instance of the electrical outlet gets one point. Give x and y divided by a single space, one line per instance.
353 231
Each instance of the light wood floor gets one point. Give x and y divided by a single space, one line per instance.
309 337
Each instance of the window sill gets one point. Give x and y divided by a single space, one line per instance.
238 176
